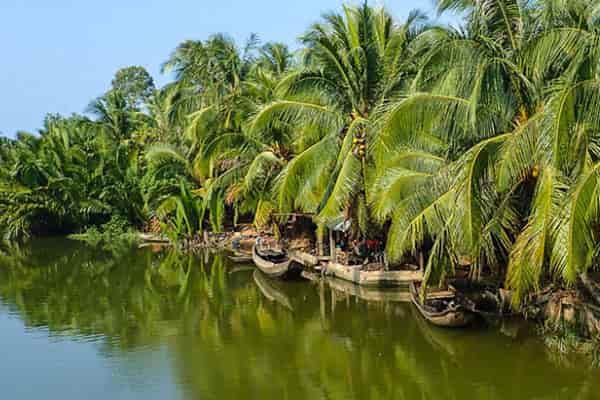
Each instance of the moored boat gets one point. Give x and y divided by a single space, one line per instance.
380 277
241 257
441 308
152 238
275 264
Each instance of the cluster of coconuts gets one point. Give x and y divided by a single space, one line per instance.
360 145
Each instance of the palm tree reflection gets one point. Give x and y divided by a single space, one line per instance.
242 335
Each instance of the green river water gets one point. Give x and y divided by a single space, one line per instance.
79 323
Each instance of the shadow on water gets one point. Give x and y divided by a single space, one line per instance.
233 333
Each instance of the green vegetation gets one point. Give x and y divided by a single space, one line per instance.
116 232
477 145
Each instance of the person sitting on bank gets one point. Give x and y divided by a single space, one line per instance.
359 251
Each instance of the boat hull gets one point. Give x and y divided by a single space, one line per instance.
241 257
284 269
450 318
372 278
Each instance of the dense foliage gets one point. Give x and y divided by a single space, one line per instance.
477 145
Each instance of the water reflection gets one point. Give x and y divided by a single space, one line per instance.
234 333
270 290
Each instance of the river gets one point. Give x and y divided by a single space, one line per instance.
83 323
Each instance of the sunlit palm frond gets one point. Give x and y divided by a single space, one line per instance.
530 251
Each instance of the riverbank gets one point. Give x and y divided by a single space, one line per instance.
569 320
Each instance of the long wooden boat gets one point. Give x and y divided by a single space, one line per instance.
152 238
484 298
304 258
275 265
441 309
241 257
357 275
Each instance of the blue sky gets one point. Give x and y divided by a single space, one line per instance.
59 54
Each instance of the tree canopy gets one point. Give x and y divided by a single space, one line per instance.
475 145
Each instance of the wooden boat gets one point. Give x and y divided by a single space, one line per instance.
311 276
152 238
270 291
441 309
241 257
484 298
359 276
304 258
154 246
275 264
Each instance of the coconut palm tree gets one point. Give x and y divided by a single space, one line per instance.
353 62
220 156
439 137
513 146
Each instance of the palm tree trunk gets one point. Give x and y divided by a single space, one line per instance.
364 195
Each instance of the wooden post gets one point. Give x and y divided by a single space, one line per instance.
320 244
332 246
